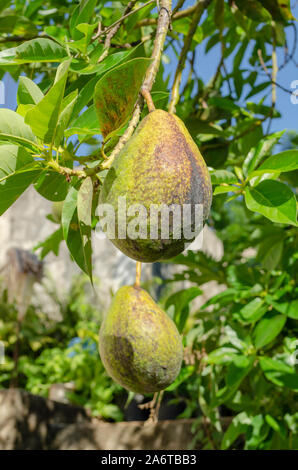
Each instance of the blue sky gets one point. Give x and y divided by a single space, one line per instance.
206 66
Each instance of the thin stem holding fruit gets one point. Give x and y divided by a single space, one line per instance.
138 274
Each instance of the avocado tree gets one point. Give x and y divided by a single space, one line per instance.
87 73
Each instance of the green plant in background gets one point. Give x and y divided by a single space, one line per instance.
241 345
57 352
243 341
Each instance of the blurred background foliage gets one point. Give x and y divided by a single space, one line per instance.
241 345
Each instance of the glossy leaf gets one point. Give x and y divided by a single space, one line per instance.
17 171
238 426
254 10
279 9
51 185
36 50
270 252
224 189
280 162
256 155
82 14
68 210
50 244
84 208
65 115
290 309
223 355
274 200
28 92
43 118
181 300
253 311
85 124
268 328
236 372
279 373
14 129
223 176
116 94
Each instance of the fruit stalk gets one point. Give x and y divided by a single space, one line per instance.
138 273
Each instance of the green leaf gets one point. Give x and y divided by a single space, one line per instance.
84 208
236 372
270 252
254 10
43 118
180 300
17 25
84 97
14 129
223 176
257 154
224 103
72 230
253 311
110 62
116 94
58 33
279 373
280 9
65 115
257 434
68 210
50 244
85 124
223 298
223 355
280 162
82 14
238 426
36 50
17 171
4 4
257 89
224 189
274 200
82 44
28 92
268 328
52 186
290 309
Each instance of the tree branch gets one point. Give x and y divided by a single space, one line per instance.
177 16
199 9
112 30
161 33
127 13
177 7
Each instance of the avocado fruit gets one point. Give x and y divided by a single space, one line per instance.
139 344
161 165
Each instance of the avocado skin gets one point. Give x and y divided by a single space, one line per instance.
160 164
139 344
